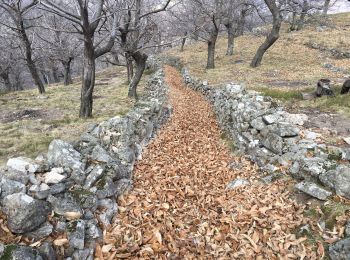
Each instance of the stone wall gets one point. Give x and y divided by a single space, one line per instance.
74 188
275 139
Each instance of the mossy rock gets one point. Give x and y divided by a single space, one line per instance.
333 210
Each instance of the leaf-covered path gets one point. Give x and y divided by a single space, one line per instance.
180 208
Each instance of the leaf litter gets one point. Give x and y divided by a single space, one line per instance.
180 207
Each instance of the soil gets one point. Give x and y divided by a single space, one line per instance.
7 117
287 83
336 123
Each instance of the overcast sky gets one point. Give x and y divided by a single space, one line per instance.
341 6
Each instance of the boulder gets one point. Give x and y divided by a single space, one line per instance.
24 213
41 191
258 123
54 176
40 233
23 164
95 174
16 252
347 229
101 155
338 179
62 154
8 187
313 190
63 205
76 234
340 250
12 174
47 252
284 129
295 119
273 143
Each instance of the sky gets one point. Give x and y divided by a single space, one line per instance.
341 6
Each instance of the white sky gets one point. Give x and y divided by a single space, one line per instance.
341 6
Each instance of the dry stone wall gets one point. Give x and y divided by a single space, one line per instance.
79 182
276 140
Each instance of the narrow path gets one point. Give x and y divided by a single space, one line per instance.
180 208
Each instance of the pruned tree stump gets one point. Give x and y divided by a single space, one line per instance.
324 88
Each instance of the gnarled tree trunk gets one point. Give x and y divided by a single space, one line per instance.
6 78
272 37
88 78
29 58
211 49
183 42
67 71
230 38
129 67
140 62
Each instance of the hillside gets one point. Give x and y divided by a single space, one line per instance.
288 68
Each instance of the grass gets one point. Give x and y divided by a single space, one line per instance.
59 113
288 68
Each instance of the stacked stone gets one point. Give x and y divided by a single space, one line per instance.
274 139
75 181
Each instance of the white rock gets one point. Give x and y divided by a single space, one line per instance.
54 176
23 164
237 183
296 119
347 140
312 135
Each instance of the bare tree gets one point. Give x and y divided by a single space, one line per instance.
273 36
137 30
19 20
88 17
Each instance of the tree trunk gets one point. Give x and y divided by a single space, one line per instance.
140 60
230 39
88 79
183 42
211 50
67 72
129 67
272 37
55 75
241 22
45 77
293 25
6 78
29 58
326 7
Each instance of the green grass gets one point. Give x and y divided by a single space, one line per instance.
29 137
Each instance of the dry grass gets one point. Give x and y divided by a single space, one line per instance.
58 114
288 68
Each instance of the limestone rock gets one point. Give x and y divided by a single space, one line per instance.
237 183
47 252
24 213
313 190
9 187
284 129
42 232
338 179
76 234
23 164
274 143
54 176
340 250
